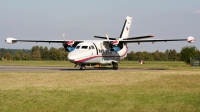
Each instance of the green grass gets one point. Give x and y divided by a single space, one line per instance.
125 90
36 63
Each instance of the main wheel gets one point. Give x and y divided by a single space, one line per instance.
115 66
82 66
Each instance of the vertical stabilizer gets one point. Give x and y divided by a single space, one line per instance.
126 28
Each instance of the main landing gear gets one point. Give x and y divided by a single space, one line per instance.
115 65
82 66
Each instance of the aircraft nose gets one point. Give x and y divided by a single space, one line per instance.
77 56
71 56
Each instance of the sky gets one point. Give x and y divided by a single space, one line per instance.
84 19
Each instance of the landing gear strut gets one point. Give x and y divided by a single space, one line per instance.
82 66
115 65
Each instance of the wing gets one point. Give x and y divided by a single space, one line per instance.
13 40
141 37
189 39
153 40
104 38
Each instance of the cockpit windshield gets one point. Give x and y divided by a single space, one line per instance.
84 47
77 47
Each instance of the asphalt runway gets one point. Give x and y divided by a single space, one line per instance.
37 69
60 69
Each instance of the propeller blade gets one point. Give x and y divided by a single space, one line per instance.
64 36
107 38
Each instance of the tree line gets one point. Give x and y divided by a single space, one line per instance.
35 53
43 53
185 54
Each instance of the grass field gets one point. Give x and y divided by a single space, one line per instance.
154 86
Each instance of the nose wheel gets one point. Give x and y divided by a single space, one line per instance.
115 65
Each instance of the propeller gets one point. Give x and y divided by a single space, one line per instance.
64 44
114 44
107 38
64 39
68 45
110 44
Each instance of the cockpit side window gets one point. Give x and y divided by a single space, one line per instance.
77 47
84 47
92 47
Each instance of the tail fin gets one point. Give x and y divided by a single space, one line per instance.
126 28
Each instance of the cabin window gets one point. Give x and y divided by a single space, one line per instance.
77 47
84 47
89 47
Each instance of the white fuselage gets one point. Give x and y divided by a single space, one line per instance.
95 52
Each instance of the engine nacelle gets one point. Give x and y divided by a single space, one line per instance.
116 42
190 39
115 48
71 42
10 40
69 46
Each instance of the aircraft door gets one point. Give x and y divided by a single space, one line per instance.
92 50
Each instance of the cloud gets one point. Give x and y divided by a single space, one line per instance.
197 12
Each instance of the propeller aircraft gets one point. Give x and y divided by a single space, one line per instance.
108 51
